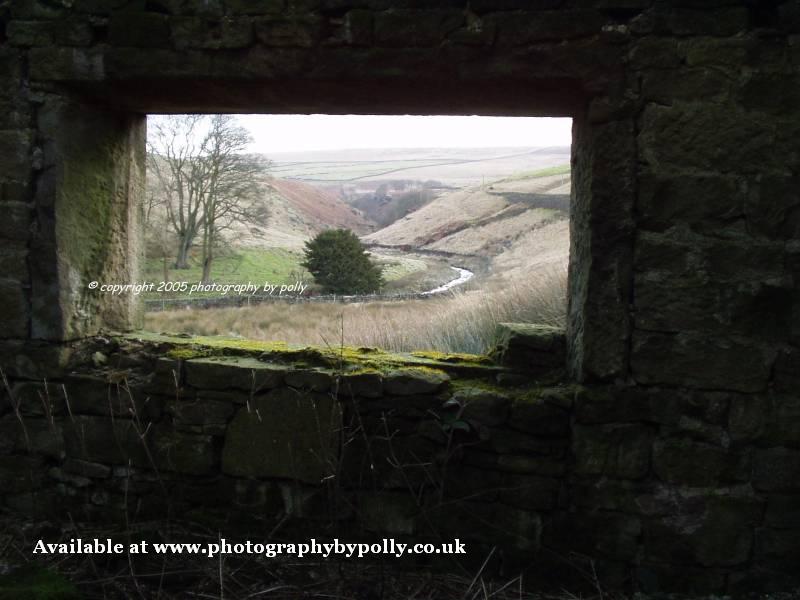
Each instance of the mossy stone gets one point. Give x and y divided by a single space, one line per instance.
415 380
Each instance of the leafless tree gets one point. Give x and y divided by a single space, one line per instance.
206 181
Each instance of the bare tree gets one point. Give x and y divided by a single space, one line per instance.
206 181
231 194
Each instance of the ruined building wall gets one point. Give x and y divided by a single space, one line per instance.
684 315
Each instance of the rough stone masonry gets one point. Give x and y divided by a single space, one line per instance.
674 462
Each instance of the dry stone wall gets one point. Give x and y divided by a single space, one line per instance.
681 461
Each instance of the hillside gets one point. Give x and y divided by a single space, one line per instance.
298 211
452 166
519 223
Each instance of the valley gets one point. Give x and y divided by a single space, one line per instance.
507 228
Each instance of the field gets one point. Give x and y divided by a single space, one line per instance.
464 322
459 167
280 266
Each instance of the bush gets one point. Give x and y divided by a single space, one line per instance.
340 264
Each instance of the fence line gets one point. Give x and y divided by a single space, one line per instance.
158 305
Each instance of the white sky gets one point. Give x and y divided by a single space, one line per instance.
295 133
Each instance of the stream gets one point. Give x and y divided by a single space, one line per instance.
464 275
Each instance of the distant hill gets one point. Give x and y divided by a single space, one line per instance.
451 166
519 222
297 212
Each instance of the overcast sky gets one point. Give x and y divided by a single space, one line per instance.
293 133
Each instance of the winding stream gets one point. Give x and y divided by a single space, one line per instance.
464 275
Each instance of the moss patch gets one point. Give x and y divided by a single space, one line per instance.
346 359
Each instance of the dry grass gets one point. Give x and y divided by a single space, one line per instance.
464 322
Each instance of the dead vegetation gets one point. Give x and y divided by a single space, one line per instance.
463 322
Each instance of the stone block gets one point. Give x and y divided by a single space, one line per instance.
684 462
700 361
15 160
30 33
776 469
364 384
414 28
184 452
534 348
358 27
139 30
522 28
290 32
36 436
14 318
719 536
14 262
530 492
202 415
483 407
313 380
240 373
538 418
284 434
109 441
225 33
22 473
621 451
412 381
722 138
87 469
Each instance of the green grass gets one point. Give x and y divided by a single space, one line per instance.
258 265
548 172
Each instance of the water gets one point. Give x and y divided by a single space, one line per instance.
464 275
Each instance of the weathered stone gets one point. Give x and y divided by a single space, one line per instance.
777 547
358 27
21 473
35 436
184 453
285 434
140 30
721 535
76 481
694 360
684 462
776 469
535 348
530 493
239 373
783 511
539 418
404 28
16 224
86 468
309 379
196 32
15 314
621 451
108 440
30 33
414 380
210 416
515 29
365 385
291 32
482 406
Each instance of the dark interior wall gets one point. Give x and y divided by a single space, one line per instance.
684 296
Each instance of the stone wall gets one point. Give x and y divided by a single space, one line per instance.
652 488
683 452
